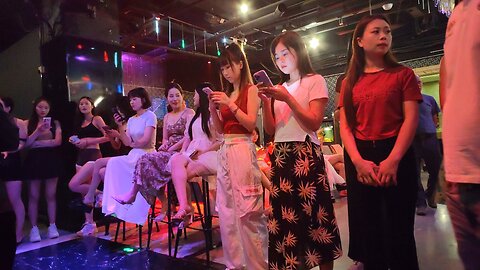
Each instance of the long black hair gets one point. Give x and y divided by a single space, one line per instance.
357 64
202 110
79 116
33 121
292 40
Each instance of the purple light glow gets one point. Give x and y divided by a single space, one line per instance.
81 58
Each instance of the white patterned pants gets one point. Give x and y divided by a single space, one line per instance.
240 205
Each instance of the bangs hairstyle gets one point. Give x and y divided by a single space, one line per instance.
357 65
232 53
293 41
141 93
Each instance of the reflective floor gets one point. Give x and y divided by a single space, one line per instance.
436 248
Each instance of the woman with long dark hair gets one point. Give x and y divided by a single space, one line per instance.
88 132
302 229
198 155
42 164
378 118
10 167
239 188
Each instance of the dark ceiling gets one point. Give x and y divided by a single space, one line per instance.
418 27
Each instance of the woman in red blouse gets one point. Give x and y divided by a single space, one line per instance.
378 117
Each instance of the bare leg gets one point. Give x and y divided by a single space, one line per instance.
80 182
182 170
33 196
96 179
50 194
129 197
14 190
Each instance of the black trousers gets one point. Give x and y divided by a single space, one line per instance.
8 244
381 219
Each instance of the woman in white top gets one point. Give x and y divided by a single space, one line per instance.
198 155
302 228
139 133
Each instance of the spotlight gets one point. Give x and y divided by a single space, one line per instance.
387 6
244 8
314 43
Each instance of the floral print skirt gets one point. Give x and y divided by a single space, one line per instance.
303 231
152 174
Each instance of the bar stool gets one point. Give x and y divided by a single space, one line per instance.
205 217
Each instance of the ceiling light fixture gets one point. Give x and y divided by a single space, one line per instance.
387 6
244 8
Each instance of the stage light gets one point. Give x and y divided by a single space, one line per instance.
98 100
280 10
105 56
115 59
92 48
183 43
79 46
209 62
133 46
244 8
387 6
224 40
314 43
157 27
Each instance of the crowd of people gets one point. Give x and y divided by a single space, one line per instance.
379 108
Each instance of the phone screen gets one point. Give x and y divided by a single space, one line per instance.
47 120
262 77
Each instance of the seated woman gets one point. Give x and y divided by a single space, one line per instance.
138 133
198 155
151 172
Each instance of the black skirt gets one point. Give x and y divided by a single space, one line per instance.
11 167
42 163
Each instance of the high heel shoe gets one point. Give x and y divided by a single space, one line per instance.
124 202
183 218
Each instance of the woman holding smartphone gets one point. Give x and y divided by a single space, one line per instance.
151 171
88 132
42 164
239 187
138 133
378 118
302 228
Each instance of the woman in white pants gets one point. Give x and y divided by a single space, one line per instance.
239 189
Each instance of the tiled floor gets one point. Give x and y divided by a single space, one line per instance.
436 247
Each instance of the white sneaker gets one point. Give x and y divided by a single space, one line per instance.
52 231
35 234
88 229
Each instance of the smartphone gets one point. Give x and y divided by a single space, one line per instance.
207 90
74 139
48 121
116 111
262 77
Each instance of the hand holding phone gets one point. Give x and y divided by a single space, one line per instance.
207 90
262 77
115 111
47 121
74 139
